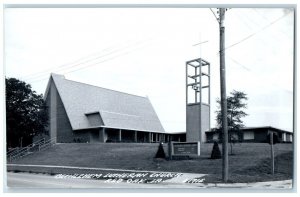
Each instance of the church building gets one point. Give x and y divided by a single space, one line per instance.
85 113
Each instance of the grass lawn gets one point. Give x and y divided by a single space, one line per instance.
250 162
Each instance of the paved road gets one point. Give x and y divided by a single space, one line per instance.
26 180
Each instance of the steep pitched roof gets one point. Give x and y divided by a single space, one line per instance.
116 109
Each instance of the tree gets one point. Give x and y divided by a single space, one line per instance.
235 112
26 113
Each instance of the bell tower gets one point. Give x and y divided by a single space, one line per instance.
197 99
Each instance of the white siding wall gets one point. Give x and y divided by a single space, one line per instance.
283 137
289 138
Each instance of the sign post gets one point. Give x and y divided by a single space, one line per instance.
170 150
272 152
272 139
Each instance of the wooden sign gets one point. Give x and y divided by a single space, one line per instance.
185 148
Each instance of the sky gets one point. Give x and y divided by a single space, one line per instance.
143 51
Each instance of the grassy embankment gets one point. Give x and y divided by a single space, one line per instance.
250 162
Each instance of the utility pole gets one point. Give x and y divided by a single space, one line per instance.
223 96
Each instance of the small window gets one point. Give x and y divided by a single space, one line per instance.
248 135
215 136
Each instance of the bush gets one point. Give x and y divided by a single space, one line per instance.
160 152
216 153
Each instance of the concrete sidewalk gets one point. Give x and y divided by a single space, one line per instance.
198 181
285 184
182 180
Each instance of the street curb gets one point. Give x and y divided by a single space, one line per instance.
192 177
285 184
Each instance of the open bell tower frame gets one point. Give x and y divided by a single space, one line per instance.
197 99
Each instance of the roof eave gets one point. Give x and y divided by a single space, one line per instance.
131 129
47 88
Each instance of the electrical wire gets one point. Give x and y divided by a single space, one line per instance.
90 65
267 20
68 66
253 34
122 54
105 60
51 69
214 15
78 64
244 67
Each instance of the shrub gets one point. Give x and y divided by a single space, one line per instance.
160 152
216 153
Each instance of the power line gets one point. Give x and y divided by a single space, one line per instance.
257 74
63 65
246 68
68 66
237 15
266 19
271 23
80 63
108 59
97 57
200 43
214 15
122 54
262 29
